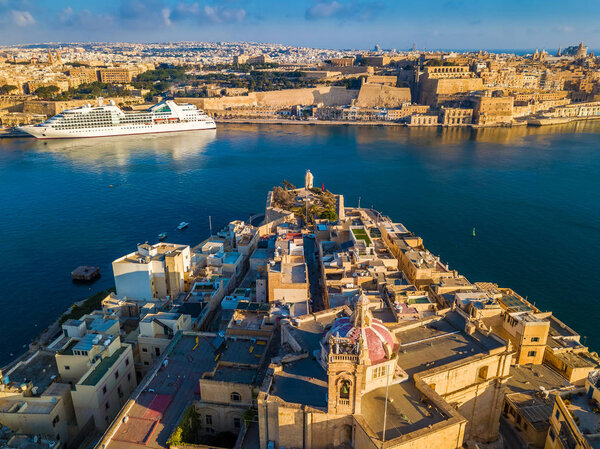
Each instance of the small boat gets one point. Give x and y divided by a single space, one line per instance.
162 236
183 225
473 232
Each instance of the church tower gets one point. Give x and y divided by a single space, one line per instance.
360 357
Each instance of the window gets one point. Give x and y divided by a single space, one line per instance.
128 376
379 372
144 349
210 430
235 397
116 374
557 414
107 406
104 389
146 363
209 420
67 367
531 353
126 362
535 339
157 351
55 421
482 373
552 434
237 423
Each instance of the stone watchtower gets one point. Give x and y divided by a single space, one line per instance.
361 356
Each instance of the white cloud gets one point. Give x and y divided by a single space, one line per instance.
22 18
166 15
565 29
324 10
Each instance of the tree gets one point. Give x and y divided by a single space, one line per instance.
7 89
47 92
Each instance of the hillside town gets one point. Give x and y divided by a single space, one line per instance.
322 326
278 83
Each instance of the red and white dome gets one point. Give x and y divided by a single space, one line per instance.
380 343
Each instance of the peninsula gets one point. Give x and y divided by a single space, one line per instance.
323 326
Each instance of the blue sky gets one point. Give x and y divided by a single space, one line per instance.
459 24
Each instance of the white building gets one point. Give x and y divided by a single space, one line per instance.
153 271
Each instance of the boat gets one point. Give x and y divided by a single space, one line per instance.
110 120
162 236
183 225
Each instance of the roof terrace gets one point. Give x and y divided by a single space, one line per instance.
406 411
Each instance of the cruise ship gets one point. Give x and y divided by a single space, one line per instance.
109 120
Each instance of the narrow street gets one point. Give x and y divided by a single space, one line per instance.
313 274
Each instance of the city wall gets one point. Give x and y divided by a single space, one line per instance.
329 96
377 95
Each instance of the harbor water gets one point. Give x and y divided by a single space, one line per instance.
531 194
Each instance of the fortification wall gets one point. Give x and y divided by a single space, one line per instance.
377 95
329 96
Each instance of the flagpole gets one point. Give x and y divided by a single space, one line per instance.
387 385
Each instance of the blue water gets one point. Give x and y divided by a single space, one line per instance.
532 194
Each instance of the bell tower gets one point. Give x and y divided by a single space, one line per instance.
346 372
360 355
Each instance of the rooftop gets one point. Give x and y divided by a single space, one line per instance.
439 343
535 409
525 378
588 419
406 412
40 370
301 382
102 368
236 375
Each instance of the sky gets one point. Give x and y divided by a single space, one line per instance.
357 24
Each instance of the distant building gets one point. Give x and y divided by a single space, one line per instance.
115 75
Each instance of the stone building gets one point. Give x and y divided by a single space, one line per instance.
349 380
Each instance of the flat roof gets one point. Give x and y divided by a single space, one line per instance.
102 368
589 421
535 409
298 389
439 343
38 370
405 413
237 375
531 377
243 352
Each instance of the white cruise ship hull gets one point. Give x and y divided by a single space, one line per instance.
44 132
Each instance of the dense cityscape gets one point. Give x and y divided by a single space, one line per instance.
245 82
316 324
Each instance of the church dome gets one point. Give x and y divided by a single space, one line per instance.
363 327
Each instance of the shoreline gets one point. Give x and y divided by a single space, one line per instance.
534 123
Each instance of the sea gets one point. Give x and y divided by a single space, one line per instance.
532 195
